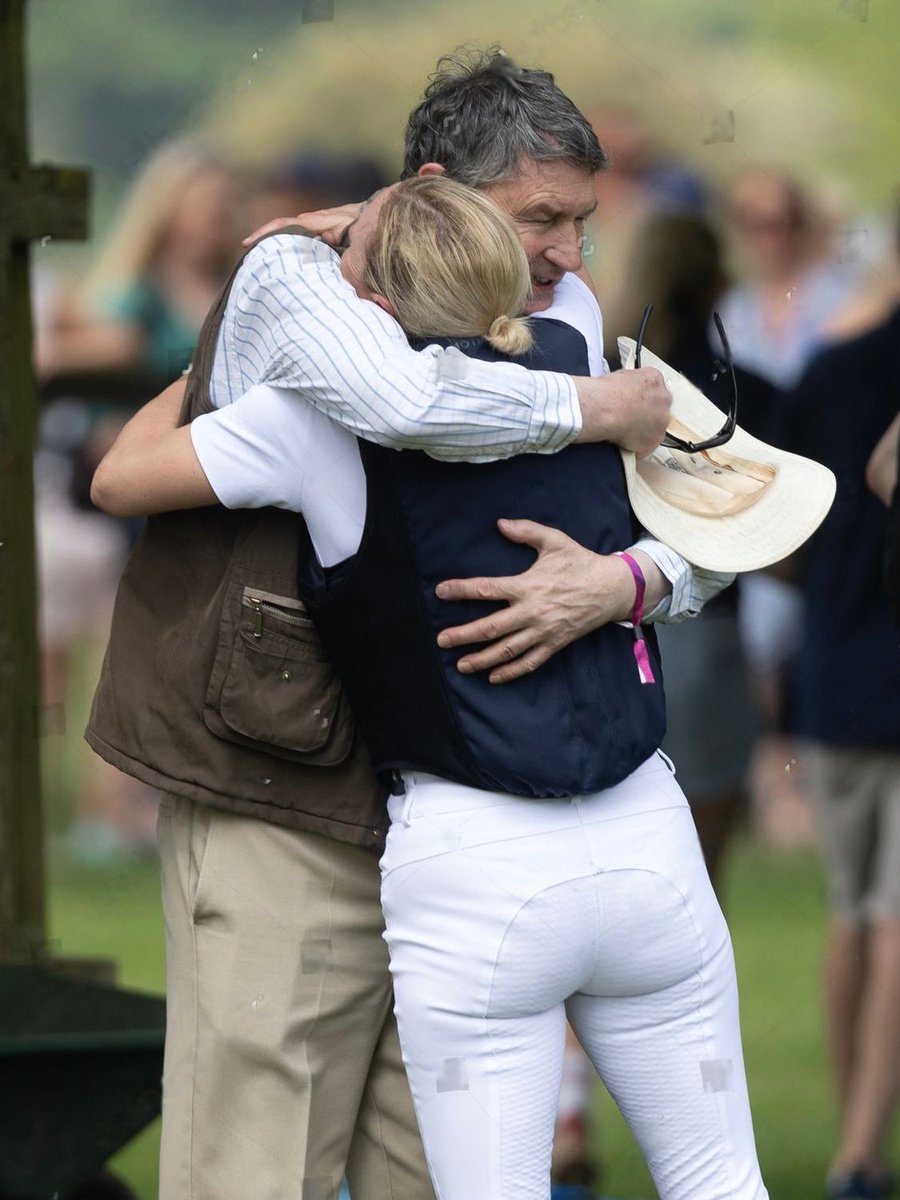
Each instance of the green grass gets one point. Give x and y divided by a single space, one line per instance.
776 911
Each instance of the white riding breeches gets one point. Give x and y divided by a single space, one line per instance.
505 916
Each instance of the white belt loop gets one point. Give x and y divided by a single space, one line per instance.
409 781
662 754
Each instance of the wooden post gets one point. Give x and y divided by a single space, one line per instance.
35 202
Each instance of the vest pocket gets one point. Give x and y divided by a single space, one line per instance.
273 686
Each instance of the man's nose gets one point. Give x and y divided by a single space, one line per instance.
565 252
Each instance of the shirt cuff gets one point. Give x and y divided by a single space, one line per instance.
692 586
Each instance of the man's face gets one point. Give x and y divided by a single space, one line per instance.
549 202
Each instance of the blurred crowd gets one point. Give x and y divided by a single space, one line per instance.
752 684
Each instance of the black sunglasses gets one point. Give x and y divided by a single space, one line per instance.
727 430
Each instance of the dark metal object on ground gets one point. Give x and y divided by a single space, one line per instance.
80 1075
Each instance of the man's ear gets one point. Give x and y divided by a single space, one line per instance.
431 168
383 302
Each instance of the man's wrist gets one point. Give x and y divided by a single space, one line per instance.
598 410
640 585
615 588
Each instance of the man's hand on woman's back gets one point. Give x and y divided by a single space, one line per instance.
566 592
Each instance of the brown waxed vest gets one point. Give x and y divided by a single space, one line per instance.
215 685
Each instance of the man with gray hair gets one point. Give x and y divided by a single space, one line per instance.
514 134
482 115
271 896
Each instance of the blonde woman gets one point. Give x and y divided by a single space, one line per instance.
136 315
160 268
541 859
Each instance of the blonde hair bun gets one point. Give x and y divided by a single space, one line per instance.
510 335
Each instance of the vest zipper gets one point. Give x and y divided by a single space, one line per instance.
260 607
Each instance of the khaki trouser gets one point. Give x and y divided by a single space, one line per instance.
856 795
282 1067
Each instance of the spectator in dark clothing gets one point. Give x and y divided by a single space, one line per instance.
845 699
677 265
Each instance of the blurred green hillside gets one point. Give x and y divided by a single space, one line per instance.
811 83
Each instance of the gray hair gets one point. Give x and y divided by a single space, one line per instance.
481 115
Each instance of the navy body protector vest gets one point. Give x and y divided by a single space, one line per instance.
580 723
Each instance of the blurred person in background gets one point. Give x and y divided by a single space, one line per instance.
124 332
161 267
677 265
641 180
80 552
791 281
792 284
307 181
867 242
845 704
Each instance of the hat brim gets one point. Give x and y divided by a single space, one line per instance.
787 511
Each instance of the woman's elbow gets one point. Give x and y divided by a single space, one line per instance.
107 495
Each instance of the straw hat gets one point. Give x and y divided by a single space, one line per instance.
736 507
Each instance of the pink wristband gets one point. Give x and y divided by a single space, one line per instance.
641 657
